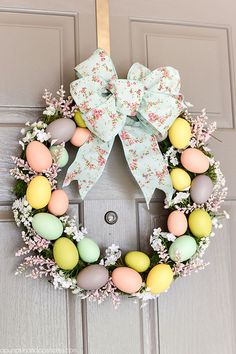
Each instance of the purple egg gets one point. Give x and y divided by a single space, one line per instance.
92 277
61 130
201 189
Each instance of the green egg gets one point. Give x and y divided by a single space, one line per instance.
185 246
64 156
88 250
47 226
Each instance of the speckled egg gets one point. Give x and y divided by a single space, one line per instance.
88 250
61 130
201 189
126 279
59 155
38 156
180 133
47 226
92 277
137 260
177 223
180 179
65 253
81 135
200 223
38 192
183 247
159 278
194 160
58 203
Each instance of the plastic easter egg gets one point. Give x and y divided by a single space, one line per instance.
127 280
201 189
200 223
92 277
194 160
180 133
79 120
183 248
65 253
177 223
47 226
38 192
138 261
38 156
61 130
180 179
88 250
159 278
60 155
80 136
58 203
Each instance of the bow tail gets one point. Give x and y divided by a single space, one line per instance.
146 162
89 164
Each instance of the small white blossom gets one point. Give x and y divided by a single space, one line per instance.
49 111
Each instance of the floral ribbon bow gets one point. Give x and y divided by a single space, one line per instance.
138 109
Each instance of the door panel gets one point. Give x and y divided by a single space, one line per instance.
197 315
41 42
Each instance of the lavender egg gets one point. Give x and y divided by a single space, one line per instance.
201 189
92 277
61 130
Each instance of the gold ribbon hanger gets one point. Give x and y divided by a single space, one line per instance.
103 29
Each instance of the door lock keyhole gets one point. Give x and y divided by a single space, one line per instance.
111 217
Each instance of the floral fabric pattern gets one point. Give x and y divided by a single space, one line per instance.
138 109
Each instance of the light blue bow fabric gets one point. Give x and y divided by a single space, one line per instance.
138 109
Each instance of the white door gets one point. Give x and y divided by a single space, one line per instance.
40 44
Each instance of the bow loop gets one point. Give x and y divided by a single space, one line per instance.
98 64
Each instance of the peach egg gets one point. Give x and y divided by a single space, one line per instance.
177 223
194 160
126 279
58 203
38 156
80 136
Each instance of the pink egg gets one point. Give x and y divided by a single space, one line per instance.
58 203
38 156
80 136
126 279
194 160
177 223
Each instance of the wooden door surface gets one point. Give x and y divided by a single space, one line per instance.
41 42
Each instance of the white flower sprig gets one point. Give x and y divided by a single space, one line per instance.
112 254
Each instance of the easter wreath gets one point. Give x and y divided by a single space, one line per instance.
165 147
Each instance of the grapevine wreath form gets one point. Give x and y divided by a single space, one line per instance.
165 147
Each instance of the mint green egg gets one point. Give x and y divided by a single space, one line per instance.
64 156
184 246
47 226
88 250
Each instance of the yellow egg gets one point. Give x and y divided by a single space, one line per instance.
180 133
38 192
138 261
200 223
65 253
180 179
159 278
79 120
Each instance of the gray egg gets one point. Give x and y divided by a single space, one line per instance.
92 277
61 130
201 189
